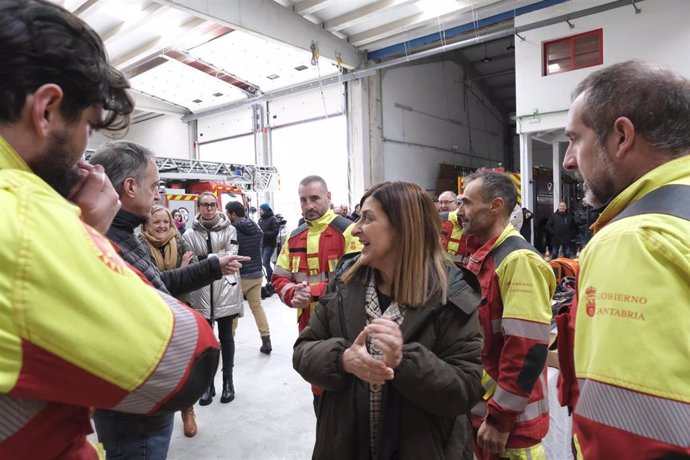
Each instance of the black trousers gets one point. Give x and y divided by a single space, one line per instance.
227 343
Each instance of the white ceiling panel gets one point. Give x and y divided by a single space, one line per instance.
182 85
254 59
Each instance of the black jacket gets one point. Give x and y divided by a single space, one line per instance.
425 407
249 237
562 228
269 225
175 282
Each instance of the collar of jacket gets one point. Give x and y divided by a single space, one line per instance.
10 159
667 173
223 222
464 293
478 254
320 224
125 220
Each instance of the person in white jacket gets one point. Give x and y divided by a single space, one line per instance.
212 235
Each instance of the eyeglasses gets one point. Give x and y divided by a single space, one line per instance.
208 205
446 202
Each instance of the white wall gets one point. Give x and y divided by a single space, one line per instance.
309 136
659 34
165 135
433 126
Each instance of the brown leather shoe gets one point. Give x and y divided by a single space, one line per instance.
189 422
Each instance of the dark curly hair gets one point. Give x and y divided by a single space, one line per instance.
42 43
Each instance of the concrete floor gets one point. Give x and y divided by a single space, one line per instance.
272 415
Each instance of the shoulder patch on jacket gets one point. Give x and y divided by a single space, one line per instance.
510 244
469 296
299 230
341 223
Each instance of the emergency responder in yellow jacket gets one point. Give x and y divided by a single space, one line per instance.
629 130
311 253
515 313
78 327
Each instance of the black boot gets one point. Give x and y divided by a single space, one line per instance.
228 389
266 345
207 397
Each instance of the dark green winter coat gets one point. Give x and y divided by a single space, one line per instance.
424 407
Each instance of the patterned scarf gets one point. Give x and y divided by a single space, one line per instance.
394 312
163 250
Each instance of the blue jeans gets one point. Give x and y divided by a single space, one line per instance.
134 436
266 254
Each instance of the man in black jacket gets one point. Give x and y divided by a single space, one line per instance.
132 170
561 225
249 237
269 225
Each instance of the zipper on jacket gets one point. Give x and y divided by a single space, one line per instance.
209 250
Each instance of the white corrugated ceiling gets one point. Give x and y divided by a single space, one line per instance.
196 55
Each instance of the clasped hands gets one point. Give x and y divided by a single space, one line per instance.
387 337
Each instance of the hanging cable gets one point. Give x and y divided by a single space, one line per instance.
315 55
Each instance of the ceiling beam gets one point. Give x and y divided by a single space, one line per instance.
306 7
147 14
404 26
79 6
153 45
478 10
271 20
386 30
148 103
354 17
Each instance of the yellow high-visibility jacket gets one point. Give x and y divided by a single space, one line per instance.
79 328
632 329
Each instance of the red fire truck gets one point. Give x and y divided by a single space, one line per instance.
184 180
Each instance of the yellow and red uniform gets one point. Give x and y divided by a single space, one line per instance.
311 254
79 328
451 237
632 329
515 313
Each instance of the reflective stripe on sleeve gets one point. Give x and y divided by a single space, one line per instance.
16 412
533 410
509 400
171 368
280 271
285 288
526 329
496 326
641 414
299 277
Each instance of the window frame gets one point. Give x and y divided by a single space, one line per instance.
571 41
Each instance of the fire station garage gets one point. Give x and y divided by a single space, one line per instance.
244 98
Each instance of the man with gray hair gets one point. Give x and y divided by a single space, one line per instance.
629 131
132 170
448 201
517 285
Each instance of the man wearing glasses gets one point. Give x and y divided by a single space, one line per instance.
448 201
